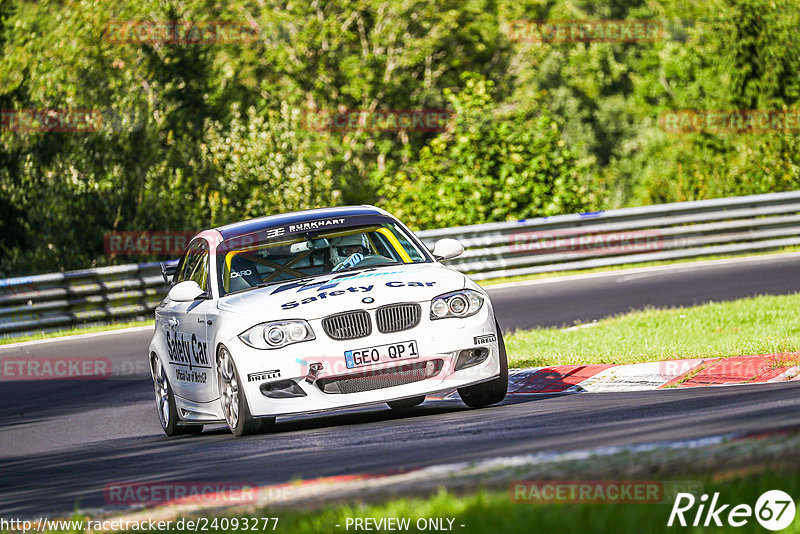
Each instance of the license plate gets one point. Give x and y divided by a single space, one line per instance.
406 350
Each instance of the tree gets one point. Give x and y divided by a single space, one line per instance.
493 165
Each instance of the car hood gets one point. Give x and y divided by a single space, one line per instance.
324 295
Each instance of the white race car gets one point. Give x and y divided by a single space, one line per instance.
314 311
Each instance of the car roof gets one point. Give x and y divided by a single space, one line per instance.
254 225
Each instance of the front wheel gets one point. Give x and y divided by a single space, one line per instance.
495 390
234 402
165 403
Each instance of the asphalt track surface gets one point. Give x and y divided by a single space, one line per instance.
62 442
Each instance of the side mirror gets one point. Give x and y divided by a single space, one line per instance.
186 291
447 249
168 269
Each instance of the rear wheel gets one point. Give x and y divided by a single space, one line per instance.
234 403
165 403
405 404
495 390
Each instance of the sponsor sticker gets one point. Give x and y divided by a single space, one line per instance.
485 339
263 375
314 225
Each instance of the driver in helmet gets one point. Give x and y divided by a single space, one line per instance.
348 251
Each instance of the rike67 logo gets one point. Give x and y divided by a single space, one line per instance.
774 510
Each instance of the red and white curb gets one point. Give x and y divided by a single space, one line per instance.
697 372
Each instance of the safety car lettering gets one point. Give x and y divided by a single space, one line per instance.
323 295
191 352
354 289
331 282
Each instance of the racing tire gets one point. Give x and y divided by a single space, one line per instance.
233 399
493 391
165 403
406 404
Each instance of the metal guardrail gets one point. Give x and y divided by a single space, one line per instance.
57 300
560 243
629 235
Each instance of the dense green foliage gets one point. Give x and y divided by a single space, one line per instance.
494 165
195 135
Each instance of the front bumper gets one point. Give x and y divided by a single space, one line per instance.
317 368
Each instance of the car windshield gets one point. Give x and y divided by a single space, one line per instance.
274 256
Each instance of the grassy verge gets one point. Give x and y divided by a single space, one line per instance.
759 325
481 497
73 331
554 274
494 512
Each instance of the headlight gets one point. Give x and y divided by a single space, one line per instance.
457 304
277 334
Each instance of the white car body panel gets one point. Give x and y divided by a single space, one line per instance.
189 334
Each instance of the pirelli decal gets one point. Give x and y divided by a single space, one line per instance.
485 339
263 375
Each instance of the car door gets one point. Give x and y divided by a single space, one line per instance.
186 331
